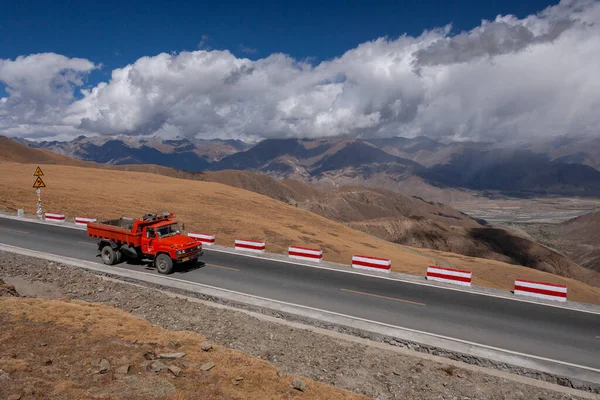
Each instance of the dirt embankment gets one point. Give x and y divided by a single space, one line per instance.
81 345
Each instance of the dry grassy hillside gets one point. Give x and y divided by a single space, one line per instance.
16 152
230 212
579 238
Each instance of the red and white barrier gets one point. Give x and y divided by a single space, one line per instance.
372 263
541 290
83 221
449 275
304 253
54 217
250 245
208 240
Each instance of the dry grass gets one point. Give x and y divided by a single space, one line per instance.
48 347
230 212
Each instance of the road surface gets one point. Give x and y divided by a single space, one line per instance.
554 333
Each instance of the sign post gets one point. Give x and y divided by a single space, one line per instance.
38 184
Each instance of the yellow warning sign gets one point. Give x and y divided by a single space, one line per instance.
39 183
38 172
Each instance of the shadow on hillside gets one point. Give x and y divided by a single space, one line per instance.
520 250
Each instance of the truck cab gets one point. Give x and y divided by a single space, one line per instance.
165 237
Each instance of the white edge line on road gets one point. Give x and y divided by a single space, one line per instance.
20 250
522 300
70 225
404 281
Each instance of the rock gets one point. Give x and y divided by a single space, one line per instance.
175 370
171 356
123 370
14 397
190 364
43 344
281 374
236 381
150 355
156 366
208 366
174 345
298 385
48 361
206 346
103 367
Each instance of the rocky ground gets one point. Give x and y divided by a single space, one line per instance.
374 370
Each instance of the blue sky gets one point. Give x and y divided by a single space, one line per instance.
116 33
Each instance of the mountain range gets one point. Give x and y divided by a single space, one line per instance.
433 169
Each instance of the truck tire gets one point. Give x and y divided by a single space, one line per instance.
109 257
164 264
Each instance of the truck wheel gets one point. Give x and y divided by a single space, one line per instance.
109 257
164 264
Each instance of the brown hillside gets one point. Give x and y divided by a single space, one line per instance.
580 239
230 212
12 151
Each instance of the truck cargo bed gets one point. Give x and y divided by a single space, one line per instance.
123 222
116 230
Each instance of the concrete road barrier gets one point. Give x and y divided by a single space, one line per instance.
250 245
83 221
541 290
371 263
55 217
206 239
449 275
304 253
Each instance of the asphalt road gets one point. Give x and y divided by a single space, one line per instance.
549 332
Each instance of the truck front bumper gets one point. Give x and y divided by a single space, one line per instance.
190 258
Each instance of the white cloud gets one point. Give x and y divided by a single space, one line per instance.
507 77
40 88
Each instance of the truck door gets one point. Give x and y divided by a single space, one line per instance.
148 241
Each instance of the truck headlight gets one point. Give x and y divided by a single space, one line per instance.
179 252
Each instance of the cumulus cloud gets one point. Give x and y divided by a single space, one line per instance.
507 77
39 88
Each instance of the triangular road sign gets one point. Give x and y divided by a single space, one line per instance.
39 183
38 172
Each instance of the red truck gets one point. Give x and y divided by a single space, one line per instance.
154 236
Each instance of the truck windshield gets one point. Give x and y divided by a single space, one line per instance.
168 230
